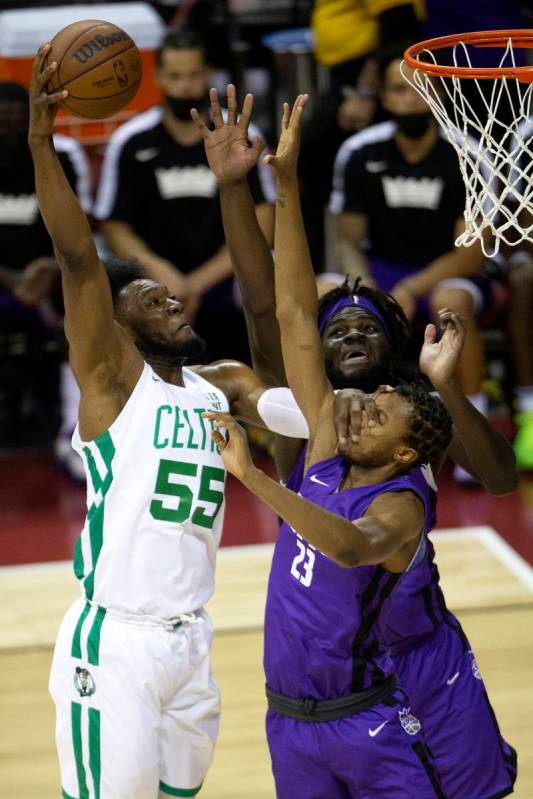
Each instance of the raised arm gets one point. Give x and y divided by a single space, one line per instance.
476 445
231 158
296 295
98 351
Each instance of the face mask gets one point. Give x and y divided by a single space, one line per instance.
413 125
13 149
180 107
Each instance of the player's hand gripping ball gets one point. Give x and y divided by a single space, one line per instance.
98 64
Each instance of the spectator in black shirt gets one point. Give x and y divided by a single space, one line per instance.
159 200
29 348
400 199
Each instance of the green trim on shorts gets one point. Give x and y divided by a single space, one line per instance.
94 749
75 715
179 791
65 795
75 650
93 640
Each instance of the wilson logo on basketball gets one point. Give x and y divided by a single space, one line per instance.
96 45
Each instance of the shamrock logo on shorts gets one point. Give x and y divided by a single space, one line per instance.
83 682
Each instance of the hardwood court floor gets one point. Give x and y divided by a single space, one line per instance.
493 599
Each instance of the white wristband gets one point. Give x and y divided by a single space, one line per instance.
280 413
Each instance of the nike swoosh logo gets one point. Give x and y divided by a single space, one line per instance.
146 155
453 679
374 732
314 479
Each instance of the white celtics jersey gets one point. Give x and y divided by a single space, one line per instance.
155 501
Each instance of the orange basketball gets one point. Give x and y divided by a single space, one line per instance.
98 64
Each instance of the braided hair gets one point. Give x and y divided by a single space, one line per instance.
430 424
398 326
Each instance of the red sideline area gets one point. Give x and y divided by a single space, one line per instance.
42 510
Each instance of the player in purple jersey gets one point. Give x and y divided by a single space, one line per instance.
338 725
476 445
427 646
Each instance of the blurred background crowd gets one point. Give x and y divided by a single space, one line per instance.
381 188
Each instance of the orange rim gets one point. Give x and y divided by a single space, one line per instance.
519 38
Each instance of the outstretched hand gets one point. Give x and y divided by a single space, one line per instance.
228 153
285 161
439 359
43 106
234 448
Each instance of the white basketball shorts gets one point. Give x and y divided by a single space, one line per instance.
137 710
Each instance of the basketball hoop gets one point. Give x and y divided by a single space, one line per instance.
487 116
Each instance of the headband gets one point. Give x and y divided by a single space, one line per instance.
351 301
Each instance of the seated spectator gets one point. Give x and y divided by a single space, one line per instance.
400 198
30 349
159 201
347 32
348 35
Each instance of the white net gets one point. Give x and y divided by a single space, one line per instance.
489 123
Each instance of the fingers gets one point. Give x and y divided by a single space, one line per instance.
430 334
285 117
297 111
40 77
220 417
356 419
215 108
231 95
370 410
42 52
199 122
258 145
50 99
447 315
219 440
342 419
452 323
46 74
246 113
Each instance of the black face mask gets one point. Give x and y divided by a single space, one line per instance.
14 150
180 107
414 126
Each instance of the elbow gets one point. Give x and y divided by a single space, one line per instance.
505 479
347 558
502 487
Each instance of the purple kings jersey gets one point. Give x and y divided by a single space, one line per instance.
320 618
416 608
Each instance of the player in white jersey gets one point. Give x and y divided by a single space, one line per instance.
137 708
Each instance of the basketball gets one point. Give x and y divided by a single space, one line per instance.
98 64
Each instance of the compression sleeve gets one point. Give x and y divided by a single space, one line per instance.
280 413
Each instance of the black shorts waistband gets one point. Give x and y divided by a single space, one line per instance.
313 710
